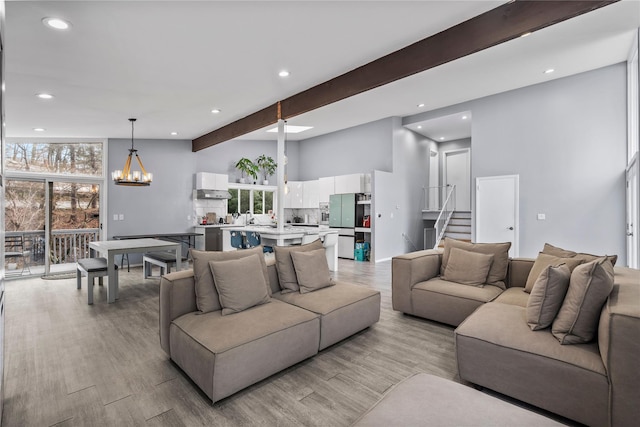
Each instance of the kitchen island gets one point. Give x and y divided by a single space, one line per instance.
289 235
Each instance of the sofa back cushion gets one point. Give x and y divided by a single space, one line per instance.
543 261
284 264
207 298
564 253
467 268
240 283
547 295
500 252
589 287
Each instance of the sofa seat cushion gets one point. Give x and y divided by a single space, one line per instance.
495 348
514 296
223 354
344 309
449 302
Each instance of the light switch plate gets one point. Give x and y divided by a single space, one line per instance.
121 217
541 217
115 217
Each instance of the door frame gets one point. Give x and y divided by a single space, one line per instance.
444 182
632 214
516 220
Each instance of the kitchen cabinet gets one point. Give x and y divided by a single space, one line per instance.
211 240
342 210
310 197
293 199
326 187
349 183
212 181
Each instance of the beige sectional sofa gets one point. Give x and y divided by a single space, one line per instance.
595 383
223 354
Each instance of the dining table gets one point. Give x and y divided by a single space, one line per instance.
110 248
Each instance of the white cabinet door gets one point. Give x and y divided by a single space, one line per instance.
293 200
349 183
326 187
222 182
310 196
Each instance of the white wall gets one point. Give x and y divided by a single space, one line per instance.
566 140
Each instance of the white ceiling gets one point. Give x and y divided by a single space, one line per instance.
169 63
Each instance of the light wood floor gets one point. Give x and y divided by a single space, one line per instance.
71 364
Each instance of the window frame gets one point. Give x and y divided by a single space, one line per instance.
251 188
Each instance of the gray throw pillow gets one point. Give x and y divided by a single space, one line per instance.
589 288
500 252
547 295
240 283
207 298
467 268
312 270
543 261
284 264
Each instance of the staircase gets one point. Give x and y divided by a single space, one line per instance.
459 227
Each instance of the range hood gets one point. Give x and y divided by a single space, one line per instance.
213 194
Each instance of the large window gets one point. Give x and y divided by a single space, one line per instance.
54 158
257 199
52 203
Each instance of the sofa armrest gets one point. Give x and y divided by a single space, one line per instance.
619 344
519 269
177 297
409 269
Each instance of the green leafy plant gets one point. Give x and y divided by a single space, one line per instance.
247 168
267 165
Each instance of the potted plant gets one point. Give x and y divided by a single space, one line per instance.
247 168
268 167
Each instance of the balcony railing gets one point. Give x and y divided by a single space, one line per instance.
68 246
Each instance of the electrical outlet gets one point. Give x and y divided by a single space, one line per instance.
541 217
115 217
121 217
188 217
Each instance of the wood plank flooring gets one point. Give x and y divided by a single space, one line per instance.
71 364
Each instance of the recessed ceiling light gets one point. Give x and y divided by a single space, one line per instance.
57 23
174 133
464 117
283 73
527 34
420 105
44 96
549 71
216 111
292 129
39 129
442 138
419 127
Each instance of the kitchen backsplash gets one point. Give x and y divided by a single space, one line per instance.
202 207
312 215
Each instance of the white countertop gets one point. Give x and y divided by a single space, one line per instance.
214 225
288 230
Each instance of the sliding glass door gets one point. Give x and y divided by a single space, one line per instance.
53 204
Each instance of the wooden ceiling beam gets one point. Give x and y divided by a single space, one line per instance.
493 27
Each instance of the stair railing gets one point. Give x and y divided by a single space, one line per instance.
444 217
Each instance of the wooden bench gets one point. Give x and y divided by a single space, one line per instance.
164 260
92 268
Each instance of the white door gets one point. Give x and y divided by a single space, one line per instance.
497 199
434 181
633 216
457 171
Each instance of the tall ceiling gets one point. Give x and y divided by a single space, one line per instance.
169 63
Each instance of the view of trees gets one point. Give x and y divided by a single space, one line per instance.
54 158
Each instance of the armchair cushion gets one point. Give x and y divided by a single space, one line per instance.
312 270
284 264
547 295
543 261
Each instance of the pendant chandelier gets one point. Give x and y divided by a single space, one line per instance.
125 176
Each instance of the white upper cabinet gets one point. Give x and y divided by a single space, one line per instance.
349 183
326 187
293 200
212 181
310 194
